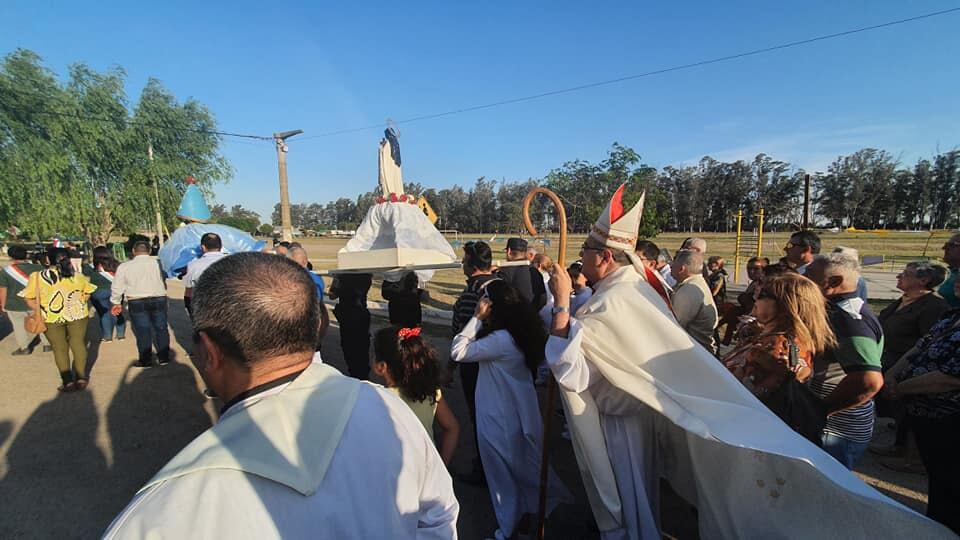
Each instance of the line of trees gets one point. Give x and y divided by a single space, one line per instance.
867 189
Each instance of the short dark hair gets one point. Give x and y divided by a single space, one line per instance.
478 255
141 245
516 244
575 270
807 239
648 249
764 260
17 253
253 322
211 241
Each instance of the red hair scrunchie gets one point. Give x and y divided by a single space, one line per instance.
405 333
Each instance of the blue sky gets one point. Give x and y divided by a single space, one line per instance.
273 66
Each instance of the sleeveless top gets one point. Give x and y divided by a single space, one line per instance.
423 410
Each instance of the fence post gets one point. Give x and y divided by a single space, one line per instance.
736 256
760 233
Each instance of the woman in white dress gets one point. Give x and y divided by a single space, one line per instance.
506 338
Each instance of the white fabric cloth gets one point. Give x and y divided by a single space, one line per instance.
580 298
509 427
139 277
400 225
546 285
196 267
321 456
695 310
626 426
692 422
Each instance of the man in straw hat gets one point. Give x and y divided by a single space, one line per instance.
644 401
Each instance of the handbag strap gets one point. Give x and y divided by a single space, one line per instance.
36 289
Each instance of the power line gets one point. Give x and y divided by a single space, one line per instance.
639 75
140 124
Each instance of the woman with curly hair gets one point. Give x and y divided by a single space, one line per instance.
410 368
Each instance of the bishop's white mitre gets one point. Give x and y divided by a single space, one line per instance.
617 228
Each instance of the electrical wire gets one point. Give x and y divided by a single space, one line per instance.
617 80
136 123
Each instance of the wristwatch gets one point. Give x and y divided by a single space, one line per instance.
559 309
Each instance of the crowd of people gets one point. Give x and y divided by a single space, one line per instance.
801 338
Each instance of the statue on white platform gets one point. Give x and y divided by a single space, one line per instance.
395 234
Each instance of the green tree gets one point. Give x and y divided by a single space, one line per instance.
249 225
74 159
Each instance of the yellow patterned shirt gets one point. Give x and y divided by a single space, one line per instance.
62 299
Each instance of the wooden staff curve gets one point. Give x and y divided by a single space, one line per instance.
551 383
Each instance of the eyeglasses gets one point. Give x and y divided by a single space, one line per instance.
755 267
766 294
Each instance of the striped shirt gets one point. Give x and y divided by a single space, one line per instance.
467 303
859 347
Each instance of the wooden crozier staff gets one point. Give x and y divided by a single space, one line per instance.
551 383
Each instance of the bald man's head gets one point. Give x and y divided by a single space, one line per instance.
257 306
298 255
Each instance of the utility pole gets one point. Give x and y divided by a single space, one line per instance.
286 227
156 193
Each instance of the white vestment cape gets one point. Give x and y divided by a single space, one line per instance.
276 428
748 473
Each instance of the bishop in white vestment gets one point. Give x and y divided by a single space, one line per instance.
643 401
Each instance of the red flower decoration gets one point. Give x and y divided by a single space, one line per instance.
381 200
393 197
403 198
405 333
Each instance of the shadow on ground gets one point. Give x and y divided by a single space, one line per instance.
55 467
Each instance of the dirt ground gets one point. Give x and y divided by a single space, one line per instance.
70 462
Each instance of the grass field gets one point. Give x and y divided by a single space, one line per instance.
896 247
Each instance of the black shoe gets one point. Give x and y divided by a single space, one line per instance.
47 348
144 365
163 361
21 352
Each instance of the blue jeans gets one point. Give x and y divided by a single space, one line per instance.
149 316
108 321
844 450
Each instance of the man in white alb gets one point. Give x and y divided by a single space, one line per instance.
643 401
300 451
